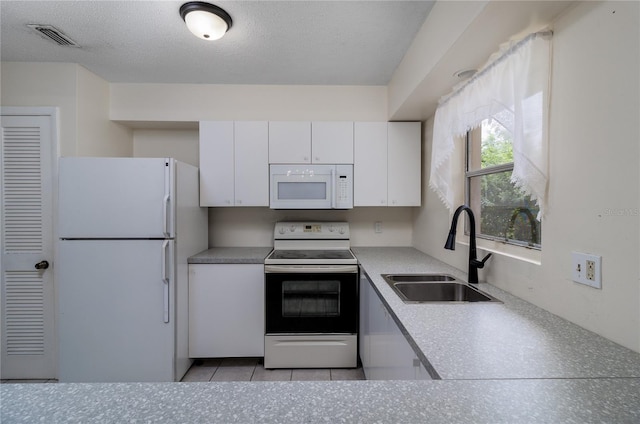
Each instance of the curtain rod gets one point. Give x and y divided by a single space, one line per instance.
510 50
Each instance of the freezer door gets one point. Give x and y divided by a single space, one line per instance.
116 310
116 197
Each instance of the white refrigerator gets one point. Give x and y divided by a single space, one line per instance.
126 229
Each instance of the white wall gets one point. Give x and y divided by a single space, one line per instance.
44 84
193 103
254 226
595 179
97 135
179 144
82 99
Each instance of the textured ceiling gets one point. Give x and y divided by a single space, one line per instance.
271 42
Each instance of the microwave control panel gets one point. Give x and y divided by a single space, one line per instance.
344 187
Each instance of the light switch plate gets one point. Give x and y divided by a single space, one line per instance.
586 269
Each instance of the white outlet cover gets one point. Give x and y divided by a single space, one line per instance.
579 269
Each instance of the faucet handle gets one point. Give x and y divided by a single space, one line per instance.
480 264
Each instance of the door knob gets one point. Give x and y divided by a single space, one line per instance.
42 265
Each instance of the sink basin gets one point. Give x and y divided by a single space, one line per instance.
434 288
422 278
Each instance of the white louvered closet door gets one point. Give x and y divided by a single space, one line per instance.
28 330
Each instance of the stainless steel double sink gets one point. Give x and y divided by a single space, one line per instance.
435 288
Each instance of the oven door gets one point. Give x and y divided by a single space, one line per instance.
311 299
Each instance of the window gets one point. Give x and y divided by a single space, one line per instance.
503 212
503 111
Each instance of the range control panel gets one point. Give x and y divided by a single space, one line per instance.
311 230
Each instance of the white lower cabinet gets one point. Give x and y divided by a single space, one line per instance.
226 310
384 351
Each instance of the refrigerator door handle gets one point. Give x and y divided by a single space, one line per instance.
166 203
165 279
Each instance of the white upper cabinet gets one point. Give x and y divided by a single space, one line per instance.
235 158
387 164
216 164
306 142
370 164
332 142
251 163
290 142
403 164
234 167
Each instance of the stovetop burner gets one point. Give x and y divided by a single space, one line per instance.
311 254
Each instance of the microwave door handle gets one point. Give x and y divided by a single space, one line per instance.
333 188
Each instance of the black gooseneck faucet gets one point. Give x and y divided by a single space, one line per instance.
474 263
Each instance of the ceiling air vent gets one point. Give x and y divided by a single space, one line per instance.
51 33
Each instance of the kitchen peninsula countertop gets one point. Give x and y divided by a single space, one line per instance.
498 363
231 255
439 401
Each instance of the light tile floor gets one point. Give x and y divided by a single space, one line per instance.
252 369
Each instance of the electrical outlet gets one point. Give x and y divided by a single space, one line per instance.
377 227
586 269
591 270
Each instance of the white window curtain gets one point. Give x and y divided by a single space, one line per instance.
514 89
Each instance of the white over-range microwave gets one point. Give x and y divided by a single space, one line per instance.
306 186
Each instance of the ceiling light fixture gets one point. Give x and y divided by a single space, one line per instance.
205 20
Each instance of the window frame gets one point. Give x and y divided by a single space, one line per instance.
495 169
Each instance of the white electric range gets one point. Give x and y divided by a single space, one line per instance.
311 291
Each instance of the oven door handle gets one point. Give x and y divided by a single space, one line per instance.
333 269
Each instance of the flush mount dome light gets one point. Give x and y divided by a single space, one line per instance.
205 20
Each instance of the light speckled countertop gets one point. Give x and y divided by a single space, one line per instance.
231 255
440 401
514 339
500 363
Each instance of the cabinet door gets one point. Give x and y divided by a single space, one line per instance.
404 159
378 338
384 350
364 332
290 142
401 357
370 164
332 142
216 163
251 147
226 310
